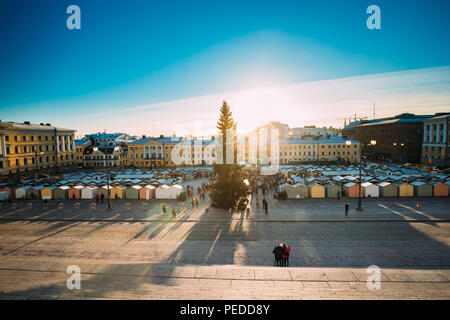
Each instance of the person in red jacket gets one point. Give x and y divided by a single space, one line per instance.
287 250
283 255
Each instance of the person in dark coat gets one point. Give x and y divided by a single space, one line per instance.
346 209
265 206
277 250
103 197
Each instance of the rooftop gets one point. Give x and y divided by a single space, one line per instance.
314 141
159 140
31 126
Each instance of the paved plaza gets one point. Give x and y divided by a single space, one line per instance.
206 253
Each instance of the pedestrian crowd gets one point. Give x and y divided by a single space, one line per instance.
281 253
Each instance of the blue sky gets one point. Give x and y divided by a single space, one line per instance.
144 53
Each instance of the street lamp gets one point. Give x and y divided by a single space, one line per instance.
107 174
372 143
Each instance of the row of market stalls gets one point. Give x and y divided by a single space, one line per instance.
368 189
135 192
124 184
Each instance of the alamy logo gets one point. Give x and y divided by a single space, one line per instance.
374 280
74 281
374 20
74 20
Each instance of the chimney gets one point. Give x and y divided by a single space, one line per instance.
161 136
47 124
26 122
41 124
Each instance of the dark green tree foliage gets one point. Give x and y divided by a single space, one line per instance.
227 189
225 123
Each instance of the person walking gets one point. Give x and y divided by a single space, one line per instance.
257 202
102 197
193 203
265 206
174 213
346 208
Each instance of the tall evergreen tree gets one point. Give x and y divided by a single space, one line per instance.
227 187
225 123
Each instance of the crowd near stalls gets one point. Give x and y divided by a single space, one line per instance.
132 184
313 181
286 182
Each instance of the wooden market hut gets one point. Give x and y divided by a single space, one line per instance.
133 192
440 189
33 192
422 189
332 190
9 190
387 189
89 192
316 190
47 192
61 192
75 192
404 189
119 193
147 192
21 192
370 190
104 191
351 189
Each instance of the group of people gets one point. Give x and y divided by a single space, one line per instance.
97 197
281 253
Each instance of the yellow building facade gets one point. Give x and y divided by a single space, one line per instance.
27 147
152 152
331 149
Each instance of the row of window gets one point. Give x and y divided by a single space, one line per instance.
332 146
40 148
314 153
27 161
432 149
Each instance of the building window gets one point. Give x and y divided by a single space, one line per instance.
16 149
6 138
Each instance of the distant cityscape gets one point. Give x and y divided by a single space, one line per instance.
405 138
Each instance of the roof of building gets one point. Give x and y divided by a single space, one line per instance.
31 126
104 135
159 140
81 142
438 118
314 141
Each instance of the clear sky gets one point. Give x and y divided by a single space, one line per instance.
156 67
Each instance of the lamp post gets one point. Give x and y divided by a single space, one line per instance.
107 174
372 143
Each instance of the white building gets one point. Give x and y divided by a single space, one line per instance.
436 134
